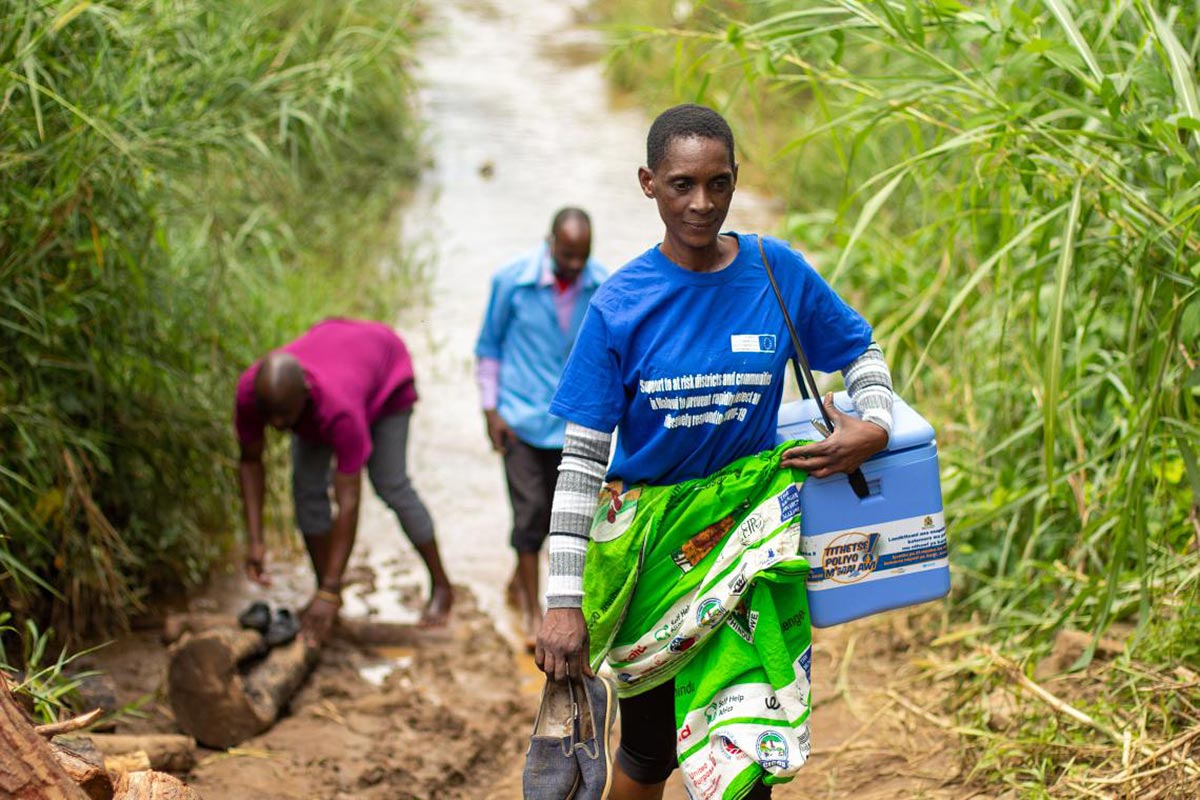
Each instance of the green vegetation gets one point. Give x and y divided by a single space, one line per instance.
183 185
39 678
1010 191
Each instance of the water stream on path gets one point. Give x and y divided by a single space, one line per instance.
520 122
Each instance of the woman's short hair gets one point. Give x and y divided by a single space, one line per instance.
685 122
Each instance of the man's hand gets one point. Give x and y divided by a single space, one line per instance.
852 442
256 564
317 620
498 431
562 645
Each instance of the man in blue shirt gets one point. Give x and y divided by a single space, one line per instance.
535 310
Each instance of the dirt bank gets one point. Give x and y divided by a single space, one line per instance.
438 719
447 719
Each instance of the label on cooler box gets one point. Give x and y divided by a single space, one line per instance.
874 552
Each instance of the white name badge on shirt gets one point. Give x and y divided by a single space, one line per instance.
752 343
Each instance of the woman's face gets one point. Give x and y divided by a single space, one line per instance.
693 186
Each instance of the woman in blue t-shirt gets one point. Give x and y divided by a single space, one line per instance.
682 355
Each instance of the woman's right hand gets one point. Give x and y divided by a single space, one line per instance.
562 644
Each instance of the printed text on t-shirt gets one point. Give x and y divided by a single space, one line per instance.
729 400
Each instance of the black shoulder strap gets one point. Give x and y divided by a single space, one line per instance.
804 376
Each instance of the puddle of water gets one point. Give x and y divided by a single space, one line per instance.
376 674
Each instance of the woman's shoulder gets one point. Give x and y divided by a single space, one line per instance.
632 279
781 251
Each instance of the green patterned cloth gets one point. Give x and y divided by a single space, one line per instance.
703 582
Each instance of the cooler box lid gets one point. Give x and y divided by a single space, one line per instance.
909 429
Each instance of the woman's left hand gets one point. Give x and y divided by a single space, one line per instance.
852 442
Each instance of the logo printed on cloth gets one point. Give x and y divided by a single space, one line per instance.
772 703
789 503
751 529
615 510
680 644
752 343
792 621
723 706
772 750
805 663
709 613
737 585
730 750
740 622
696 548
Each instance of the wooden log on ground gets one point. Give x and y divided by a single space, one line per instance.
136 761
152 786
179 623
364 632
271 684
212 699
84 764
169 752
379 633
28 768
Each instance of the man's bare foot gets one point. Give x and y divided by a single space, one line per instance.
513 594
437 610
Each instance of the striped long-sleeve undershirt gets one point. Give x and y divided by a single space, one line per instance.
585 460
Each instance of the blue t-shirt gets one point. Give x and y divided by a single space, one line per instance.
689 367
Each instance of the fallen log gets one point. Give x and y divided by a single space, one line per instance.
179 623
211 697
379 633
364 632
137 761
169 752
84 765
28 768
152 786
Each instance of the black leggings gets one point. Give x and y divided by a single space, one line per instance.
647 752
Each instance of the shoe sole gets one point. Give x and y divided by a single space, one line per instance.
608 720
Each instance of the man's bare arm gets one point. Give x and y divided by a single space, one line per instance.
252 477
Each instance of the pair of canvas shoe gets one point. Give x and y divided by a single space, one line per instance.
568 757
277 629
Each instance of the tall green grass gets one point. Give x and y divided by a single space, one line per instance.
183 185
1010 190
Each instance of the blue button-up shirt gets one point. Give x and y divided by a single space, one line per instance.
521 331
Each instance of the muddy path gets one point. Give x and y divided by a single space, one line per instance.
519 123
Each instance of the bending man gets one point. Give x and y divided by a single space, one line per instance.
345 390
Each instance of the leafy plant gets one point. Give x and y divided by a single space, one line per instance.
183 186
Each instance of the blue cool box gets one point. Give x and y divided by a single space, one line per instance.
882 552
